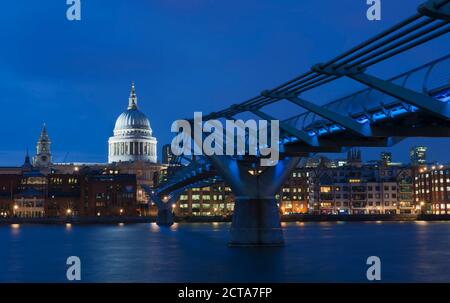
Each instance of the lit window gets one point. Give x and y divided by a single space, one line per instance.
325 189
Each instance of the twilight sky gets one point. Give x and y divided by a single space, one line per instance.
184 55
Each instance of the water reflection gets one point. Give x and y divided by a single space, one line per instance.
410 252
15 229
154 227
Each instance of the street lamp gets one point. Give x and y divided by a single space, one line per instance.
121 211
68 211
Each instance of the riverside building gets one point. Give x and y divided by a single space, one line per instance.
432 189
131 154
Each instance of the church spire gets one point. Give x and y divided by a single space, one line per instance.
44 134
27 157
27 167
132 101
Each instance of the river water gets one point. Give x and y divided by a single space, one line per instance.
191 252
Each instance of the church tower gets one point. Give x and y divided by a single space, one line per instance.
43 156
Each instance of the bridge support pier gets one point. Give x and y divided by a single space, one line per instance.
165 212
165 217
256 219
256 222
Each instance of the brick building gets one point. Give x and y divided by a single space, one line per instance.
432 189
85 192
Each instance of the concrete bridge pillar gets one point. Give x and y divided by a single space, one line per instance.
165 212
256 219
165 217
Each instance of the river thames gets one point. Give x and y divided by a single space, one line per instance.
198 252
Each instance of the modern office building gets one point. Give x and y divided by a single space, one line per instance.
167 155
418 155
215 200
386 158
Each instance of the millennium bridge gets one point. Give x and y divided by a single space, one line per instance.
412 104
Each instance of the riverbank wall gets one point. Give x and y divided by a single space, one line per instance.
209 219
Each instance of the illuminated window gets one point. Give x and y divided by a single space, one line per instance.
354 180
325 189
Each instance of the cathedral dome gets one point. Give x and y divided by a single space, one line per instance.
132 138
132 120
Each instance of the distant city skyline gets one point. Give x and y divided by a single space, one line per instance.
399 154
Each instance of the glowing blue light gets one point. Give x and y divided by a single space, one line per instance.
322 131
443 96
362 119
379 116
335 127
398 111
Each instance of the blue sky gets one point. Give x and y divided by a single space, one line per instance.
184 55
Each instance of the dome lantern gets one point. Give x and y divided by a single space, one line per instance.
132 100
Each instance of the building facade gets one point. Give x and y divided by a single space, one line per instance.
323 186
432 189
378 187
214 200
294 196
84 193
